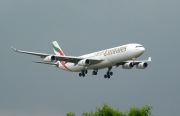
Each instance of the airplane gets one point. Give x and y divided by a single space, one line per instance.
124 55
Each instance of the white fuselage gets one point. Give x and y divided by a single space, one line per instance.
110 57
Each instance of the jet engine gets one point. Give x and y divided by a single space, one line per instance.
142 65
128 65
50 59
84 62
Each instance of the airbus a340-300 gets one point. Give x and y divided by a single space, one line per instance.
124 55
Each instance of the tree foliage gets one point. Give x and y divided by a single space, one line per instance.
70 114
108 111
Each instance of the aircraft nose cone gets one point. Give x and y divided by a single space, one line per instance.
142 49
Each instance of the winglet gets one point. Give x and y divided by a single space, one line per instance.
149 59
14 49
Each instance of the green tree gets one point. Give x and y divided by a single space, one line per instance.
70 114
108 111
144 111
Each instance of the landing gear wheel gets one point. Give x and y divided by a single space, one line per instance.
94 72
85 71
111 73
80 74
105 76
83 75
108 76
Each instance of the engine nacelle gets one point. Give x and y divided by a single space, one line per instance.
128 65
50 59
84 62
142 65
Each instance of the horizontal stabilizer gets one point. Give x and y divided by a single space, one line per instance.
54 64
149 59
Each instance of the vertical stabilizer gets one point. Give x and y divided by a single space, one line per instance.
57 50
149 59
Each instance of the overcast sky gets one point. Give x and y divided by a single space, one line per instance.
80 27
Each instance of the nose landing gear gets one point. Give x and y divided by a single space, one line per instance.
109 73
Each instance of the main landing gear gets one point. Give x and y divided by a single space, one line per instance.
94 72
83 73
109 73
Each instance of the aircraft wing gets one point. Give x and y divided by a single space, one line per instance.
71 59
75 60
42 55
